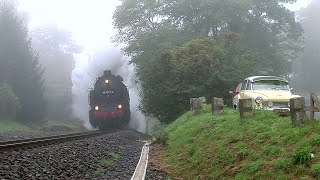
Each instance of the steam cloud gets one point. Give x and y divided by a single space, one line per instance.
88 68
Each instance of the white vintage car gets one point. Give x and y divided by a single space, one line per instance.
268 92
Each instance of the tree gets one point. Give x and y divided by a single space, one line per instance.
259 34
200 67
19 64
56 48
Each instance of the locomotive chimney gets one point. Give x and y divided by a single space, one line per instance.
107 72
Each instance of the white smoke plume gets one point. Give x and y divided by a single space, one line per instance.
90 67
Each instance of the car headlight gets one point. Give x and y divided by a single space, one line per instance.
270 104
96 108
259 100
119 106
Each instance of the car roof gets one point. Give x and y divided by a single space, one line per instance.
259 78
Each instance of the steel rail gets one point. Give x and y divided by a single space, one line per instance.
41 141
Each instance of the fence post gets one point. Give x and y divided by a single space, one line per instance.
245 108
197 105
191 103
297 111
311 108
217 105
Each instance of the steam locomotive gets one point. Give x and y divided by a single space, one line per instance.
109 102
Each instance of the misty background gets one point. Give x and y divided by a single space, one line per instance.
73 44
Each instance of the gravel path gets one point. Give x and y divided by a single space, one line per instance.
111 156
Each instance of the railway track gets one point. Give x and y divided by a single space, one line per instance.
44 141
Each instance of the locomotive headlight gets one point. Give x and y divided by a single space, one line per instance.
107 81
259 100
96 108
119 106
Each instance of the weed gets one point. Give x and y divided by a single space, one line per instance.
301 168
105 162
253 167
302 155
241 176
283 163
315 169
242 150
315 140
114 156
99 171
272 150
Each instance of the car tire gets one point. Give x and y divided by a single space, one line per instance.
235 106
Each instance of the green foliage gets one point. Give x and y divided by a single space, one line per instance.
315 169
19 64
163 137
185 49
9 102
205 145
111 157
283 163
302 155
12 126
197 68
99 171
253 167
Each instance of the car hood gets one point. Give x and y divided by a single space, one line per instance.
273 94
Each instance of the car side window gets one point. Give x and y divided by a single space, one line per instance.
239 88
248 85
244 84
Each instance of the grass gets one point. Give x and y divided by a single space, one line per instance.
75 126
9 126
110 158
224 146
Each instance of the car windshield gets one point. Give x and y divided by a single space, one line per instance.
270 84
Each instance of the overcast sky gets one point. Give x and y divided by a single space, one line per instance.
89 21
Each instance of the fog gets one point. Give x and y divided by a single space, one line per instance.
306 67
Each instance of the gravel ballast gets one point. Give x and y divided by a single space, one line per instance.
111 156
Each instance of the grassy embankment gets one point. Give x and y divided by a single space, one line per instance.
9 126
227 147
12 126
